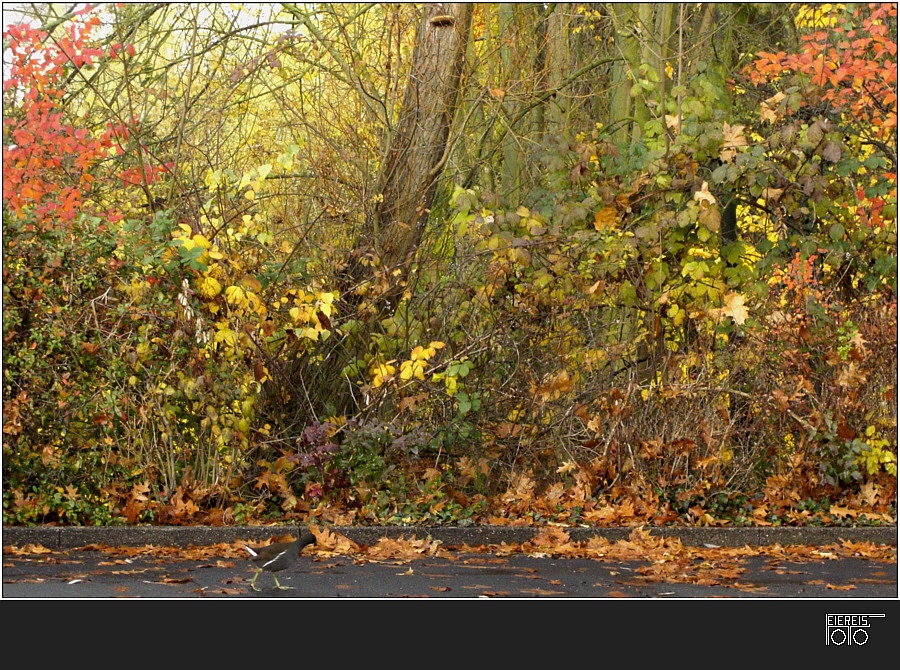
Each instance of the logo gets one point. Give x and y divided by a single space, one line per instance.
848 629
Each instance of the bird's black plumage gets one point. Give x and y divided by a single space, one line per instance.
276 557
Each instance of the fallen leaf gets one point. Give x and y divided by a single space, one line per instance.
542 592
173 580
27 549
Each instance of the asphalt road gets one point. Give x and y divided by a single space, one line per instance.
92 574
72 572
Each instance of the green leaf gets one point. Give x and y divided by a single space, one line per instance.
836 232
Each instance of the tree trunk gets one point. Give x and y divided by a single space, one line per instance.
378 267
408 178
560 68
511 68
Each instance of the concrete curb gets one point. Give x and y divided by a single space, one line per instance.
72 537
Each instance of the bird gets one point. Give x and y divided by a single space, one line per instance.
276 557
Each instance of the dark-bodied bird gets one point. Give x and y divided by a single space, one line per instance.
276 557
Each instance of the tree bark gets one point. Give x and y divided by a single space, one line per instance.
416 155
379 264
560 67
511 168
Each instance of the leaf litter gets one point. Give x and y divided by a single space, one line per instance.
662 559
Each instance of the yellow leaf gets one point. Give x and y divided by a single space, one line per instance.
208 287
451 386
567 467
606 218
212 179
696 251
226 336
735 308
235 295
382 372
264 170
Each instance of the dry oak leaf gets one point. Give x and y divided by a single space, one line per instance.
549 537
604 516
27 549
332 542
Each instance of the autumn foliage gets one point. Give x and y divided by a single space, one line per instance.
181 344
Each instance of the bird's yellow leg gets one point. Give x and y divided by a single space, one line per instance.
279 586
